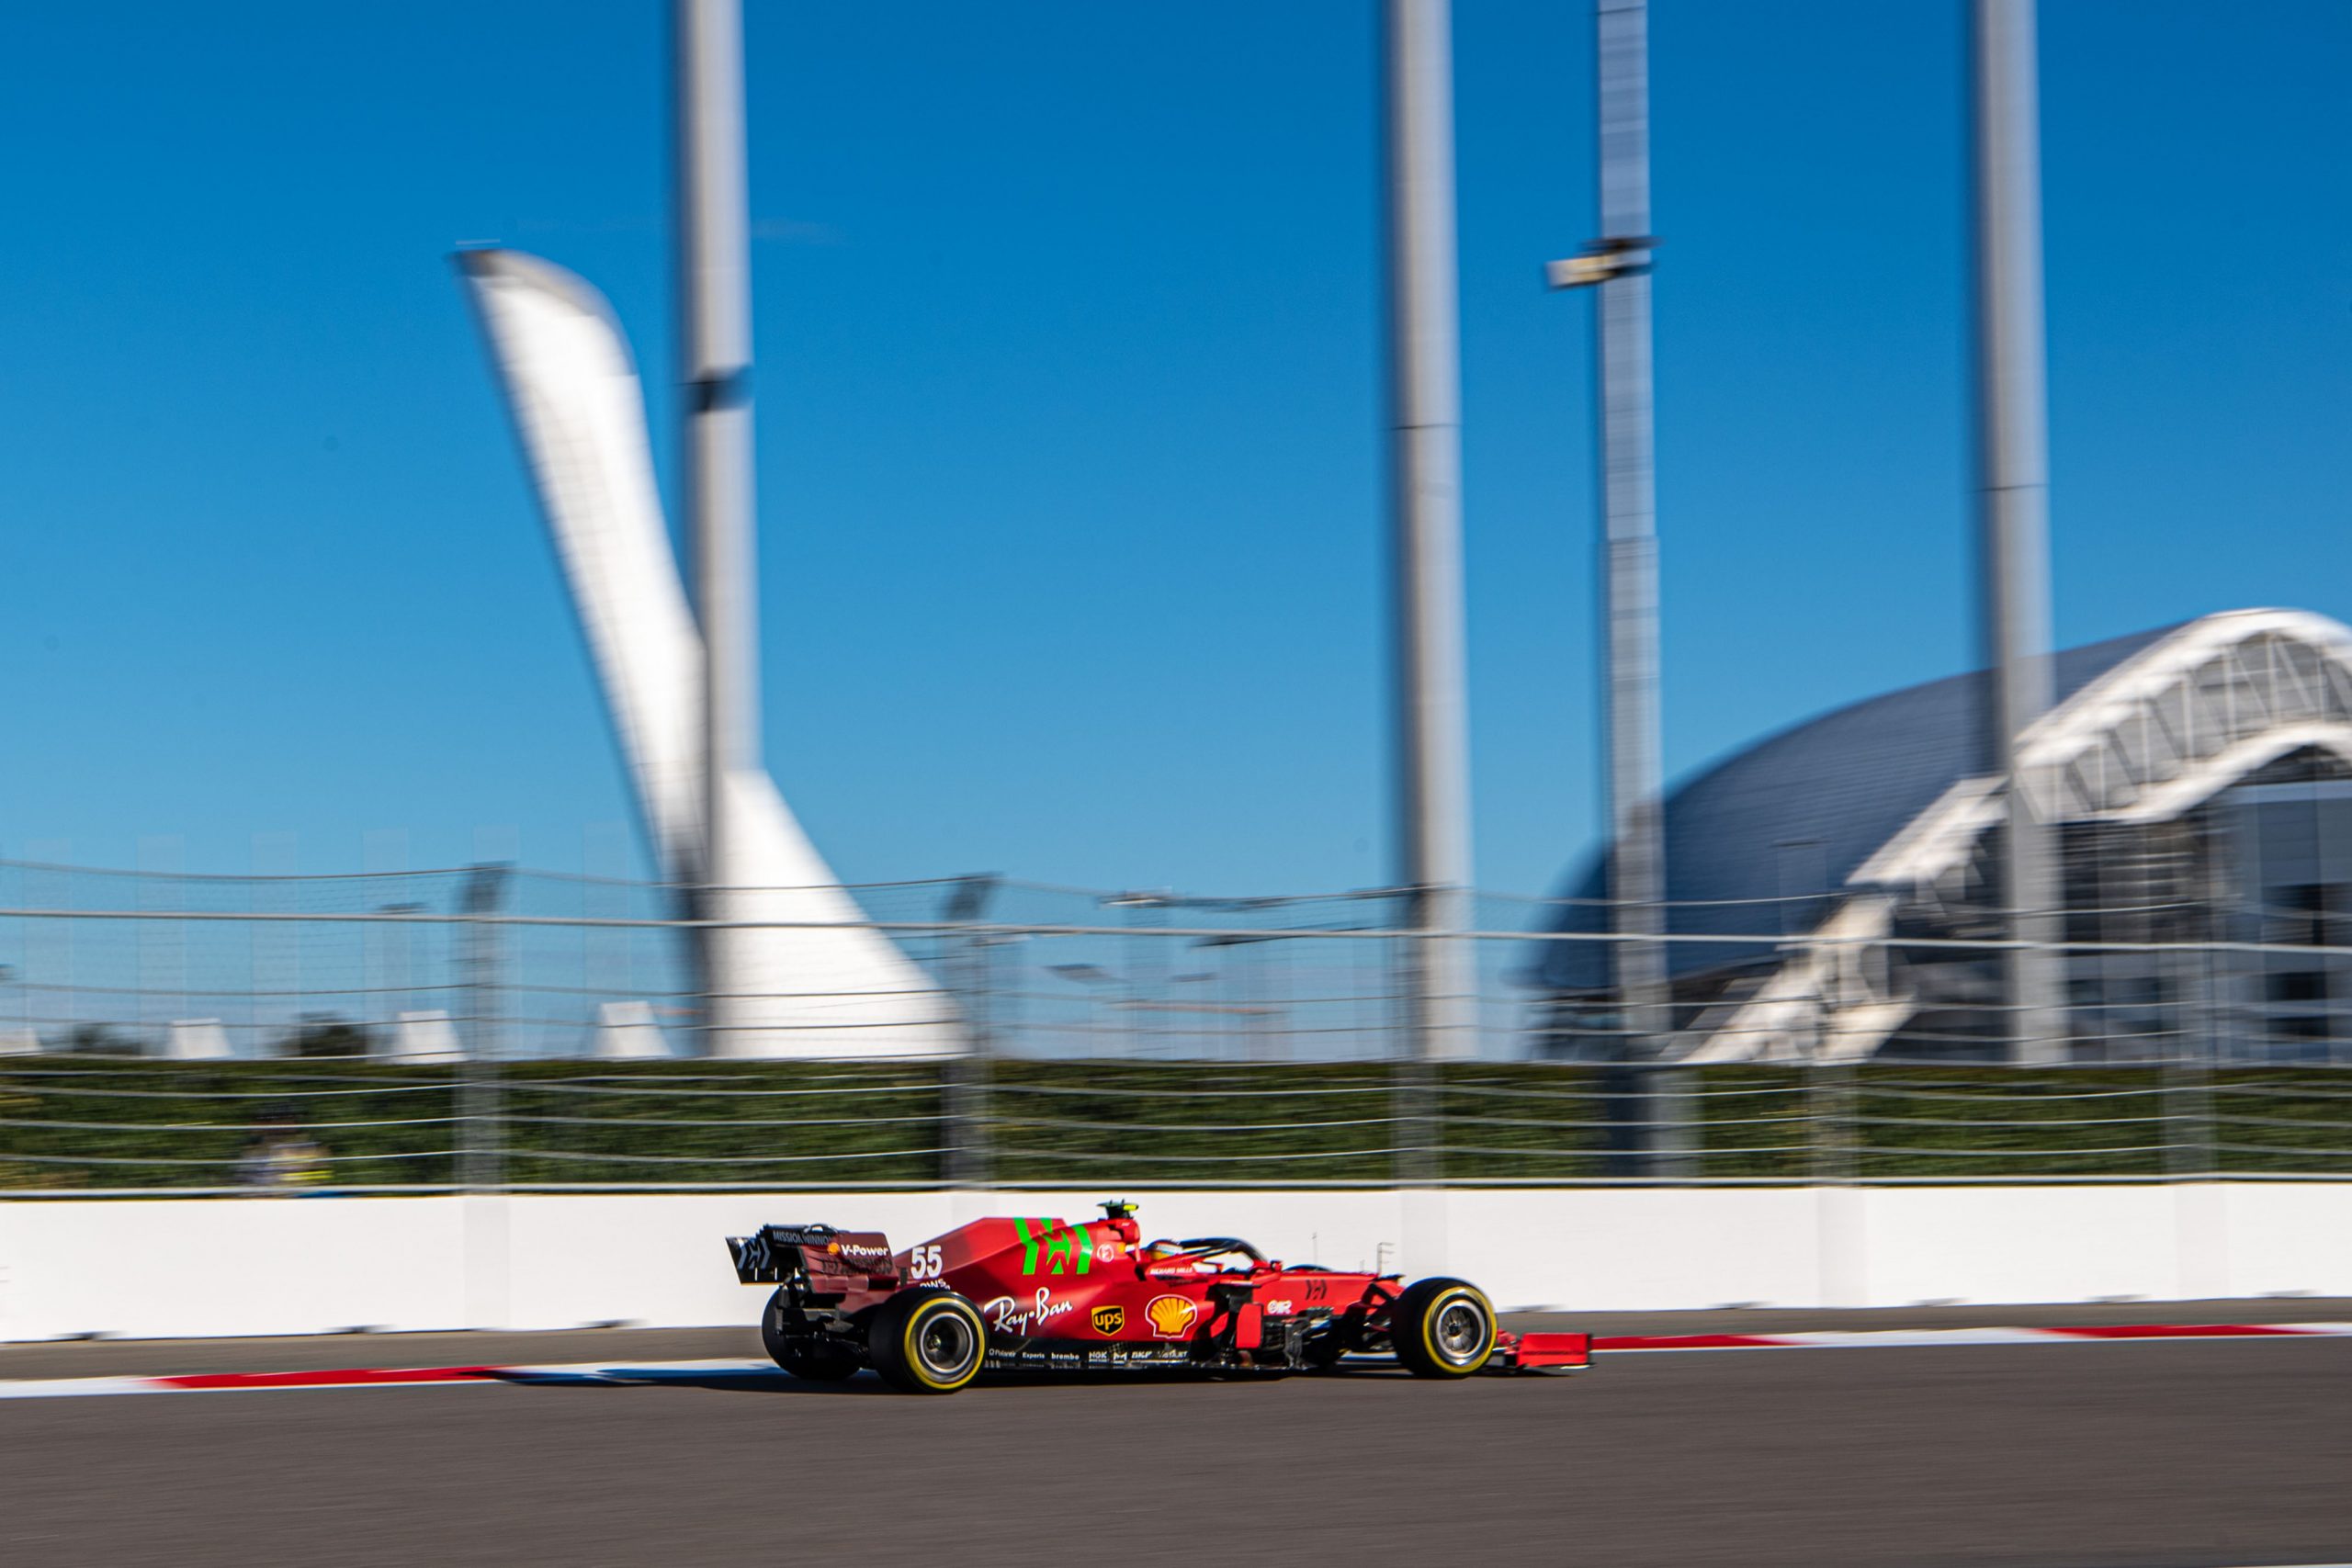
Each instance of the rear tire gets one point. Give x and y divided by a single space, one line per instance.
927 1341
1443 1328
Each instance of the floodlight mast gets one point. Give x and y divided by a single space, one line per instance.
2013 503
1425 486
715 337
1618 265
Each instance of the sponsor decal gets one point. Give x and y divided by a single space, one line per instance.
1318 1290
856 1249
1107 1253
1279 1309
1169 1316
756 1258
798 1236
1110 1320
1024 1322
1066 1248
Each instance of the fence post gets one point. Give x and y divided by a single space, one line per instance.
2189 1106
1831 1092
965 1082
1419 1153
2189 1069
1678 1123
1416 1154
968 1145
482 1162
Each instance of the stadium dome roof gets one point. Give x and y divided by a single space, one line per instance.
1842 787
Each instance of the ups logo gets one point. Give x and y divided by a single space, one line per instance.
1110 1320
1169 1316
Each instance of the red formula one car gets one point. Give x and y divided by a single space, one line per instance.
1037 1293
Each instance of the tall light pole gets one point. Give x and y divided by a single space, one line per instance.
1425 443
1618 265
2013 500
715 336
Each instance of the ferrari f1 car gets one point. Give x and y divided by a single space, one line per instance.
1038 1294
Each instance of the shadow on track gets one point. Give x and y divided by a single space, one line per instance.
772 1380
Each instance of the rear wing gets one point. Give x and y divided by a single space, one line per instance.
774 1254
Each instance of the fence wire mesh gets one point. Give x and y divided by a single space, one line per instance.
435 1031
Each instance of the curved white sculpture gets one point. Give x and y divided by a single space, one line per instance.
825 983
626 1031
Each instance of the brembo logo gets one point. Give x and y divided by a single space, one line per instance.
1169 1316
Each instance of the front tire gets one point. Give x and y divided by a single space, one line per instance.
1443 1328
927 1341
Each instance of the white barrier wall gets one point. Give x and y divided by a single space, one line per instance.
176 1268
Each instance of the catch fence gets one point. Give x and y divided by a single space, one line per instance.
440 1031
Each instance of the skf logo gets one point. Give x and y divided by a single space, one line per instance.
1110 1320
1169 1316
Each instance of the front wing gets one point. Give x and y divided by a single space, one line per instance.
1544 1352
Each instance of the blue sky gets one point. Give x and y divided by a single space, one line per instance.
1070 407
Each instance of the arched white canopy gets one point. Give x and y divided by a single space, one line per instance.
2162 732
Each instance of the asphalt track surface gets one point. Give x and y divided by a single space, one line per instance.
133 1358
2195 1452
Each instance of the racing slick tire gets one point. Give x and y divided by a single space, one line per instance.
816 1357
927 1341
1442 1328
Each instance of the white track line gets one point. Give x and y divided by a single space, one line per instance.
654 1373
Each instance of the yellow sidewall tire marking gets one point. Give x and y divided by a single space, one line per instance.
914 1354
1436 1310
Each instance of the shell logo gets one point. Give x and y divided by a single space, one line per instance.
1169 1316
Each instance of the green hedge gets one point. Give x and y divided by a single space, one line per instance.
77 1122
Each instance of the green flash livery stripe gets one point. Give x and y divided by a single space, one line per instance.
1028 1244
1063 1245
